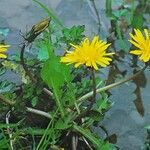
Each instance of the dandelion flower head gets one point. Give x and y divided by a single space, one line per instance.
89 53
142 44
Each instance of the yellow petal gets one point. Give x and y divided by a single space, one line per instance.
75 46
77 65
146 34
136 52
3 56
135 44
94 65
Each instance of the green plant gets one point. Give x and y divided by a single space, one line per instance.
67 101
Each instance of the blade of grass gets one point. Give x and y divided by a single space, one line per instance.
50 13
109 8
42 141
4 141
98 143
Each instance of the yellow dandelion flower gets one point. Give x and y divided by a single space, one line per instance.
142 43
3 49
88 53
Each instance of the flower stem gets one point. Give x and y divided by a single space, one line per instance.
97 15
58 102
84 113
94 86
86 96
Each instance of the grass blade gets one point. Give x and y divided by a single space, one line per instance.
50 13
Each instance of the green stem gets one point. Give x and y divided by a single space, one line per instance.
87 134
84 113
73 98
45 133
97 15
94 86
86 96
6 101
50 13
58 102
132 11
109 8
77 107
